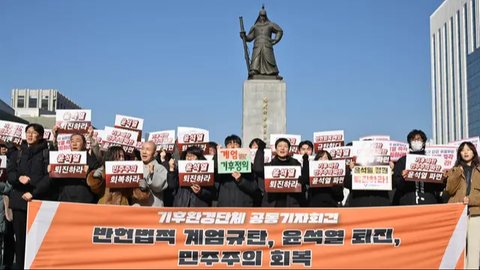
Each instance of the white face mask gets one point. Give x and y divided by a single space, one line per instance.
416 145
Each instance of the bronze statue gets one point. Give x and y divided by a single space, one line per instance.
263 64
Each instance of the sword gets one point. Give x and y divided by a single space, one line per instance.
245 47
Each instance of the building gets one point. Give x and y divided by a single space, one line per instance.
473 85
7 113
454 36
40 105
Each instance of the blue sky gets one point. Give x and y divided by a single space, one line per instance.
358 65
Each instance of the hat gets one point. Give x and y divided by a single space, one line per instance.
262 12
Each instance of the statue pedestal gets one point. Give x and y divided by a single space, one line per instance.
264 109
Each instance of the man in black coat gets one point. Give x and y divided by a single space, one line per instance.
236 189
414 192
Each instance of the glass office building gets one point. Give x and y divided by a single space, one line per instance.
473 85
454 37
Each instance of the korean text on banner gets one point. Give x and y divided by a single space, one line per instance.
173 238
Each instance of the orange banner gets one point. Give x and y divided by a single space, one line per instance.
69 235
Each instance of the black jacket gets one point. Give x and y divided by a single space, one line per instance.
365 198
76 189
289 199
414 192
324 196
232 193
33 162
169 192
185 197
258 175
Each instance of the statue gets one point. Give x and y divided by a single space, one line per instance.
263 64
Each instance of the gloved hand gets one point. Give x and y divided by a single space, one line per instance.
143 185
99 172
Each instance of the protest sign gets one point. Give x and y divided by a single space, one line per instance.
67 164
328 139
326 173
234 160
200 172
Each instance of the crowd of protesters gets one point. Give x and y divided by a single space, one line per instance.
28 178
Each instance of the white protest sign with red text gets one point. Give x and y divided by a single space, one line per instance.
328 139
128 122
123 174
369 153
67 164
63 142
425 168
342 152
398 150
283 179
200 172
12 132
448 152
189 136
120 137
326 173
163 140
372 178
73 121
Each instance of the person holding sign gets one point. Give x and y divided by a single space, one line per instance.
324 196
3 148
235 189
154 179
285 199
8 238
364 198
27 173
164 158
305 147
117 196
463 186
257 168
414 192
194 195
76 189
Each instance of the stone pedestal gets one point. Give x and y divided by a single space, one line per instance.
264 109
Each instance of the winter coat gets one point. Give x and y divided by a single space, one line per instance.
323 196
287 199
31 161
185 197
414 192
169 192
76 189
365 198
259 175
157 183
233 193
5 189
457 188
